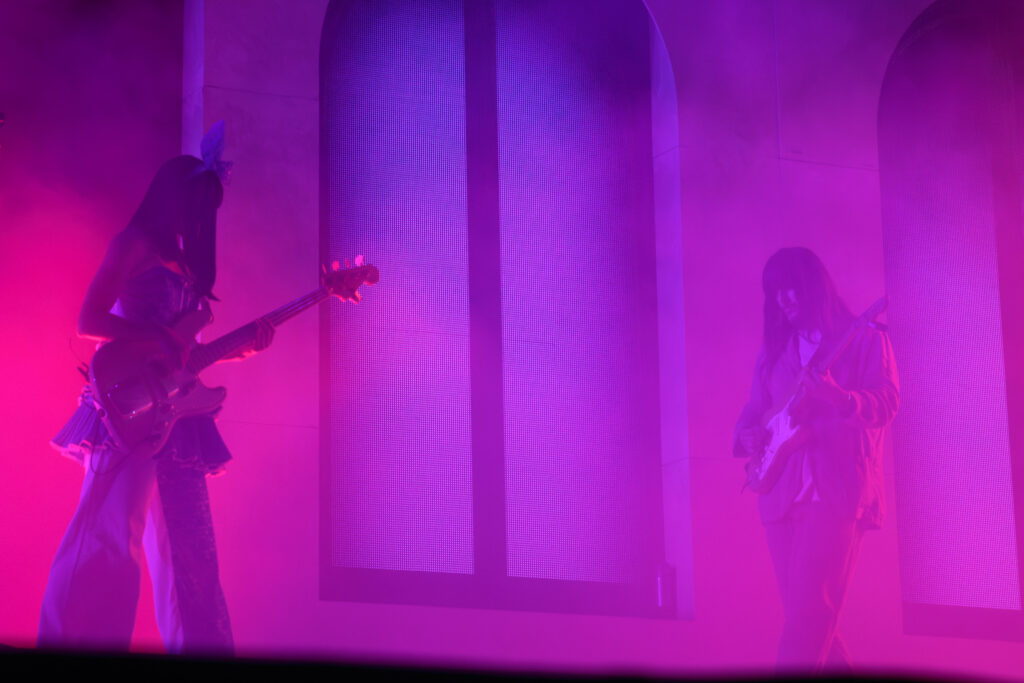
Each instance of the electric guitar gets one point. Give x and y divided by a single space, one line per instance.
139 399
785 435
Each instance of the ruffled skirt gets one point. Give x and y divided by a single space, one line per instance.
194 442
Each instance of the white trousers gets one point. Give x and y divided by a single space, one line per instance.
93 589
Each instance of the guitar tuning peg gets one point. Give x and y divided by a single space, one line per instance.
336 265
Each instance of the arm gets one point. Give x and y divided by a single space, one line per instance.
125 255
95 321
874 403
750 417
263 334
875 398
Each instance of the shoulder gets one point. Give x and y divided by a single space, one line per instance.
130 241
873 343
129 251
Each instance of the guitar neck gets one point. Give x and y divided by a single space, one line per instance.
231 343
866 318
824 363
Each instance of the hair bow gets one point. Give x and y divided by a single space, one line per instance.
211 149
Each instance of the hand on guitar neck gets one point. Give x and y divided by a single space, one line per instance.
262 330
174 349
262 335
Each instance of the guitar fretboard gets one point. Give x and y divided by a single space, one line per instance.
865 318
205 355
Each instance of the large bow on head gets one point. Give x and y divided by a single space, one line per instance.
211 149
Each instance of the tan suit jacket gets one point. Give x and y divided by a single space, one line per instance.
845 453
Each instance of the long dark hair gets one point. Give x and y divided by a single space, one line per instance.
182 201
821 308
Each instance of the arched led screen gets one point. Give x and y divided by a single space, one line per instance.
398 369
945 268
491 423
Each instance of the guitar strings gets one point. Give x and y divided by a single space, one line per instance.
288 310
207 354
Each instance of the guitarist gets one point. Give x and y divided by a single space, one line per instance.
160 267
831 490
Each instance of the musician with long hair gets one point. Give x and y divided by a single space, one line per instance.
160 267
830 490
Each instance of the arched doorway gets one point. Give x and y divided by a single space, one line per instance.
950 168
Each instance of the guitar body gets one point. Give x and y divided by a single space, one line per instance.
139 400
784 439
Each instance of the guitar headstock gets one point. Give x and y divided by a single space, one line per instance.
344 283
874 310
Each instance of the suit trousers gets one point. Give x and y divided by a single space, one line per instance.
813 551
127 506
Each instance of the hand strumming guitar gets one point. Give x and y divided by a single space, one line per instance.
752 440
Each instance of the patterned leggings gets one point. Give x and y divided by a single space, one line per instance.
93 589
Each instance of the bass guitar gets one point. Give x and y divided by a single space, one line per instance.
785 435
139 399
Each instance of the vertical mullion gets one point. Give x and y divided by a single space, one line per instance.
484 264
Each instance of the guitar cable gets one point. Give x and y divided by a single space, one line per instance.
83 369
92 453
